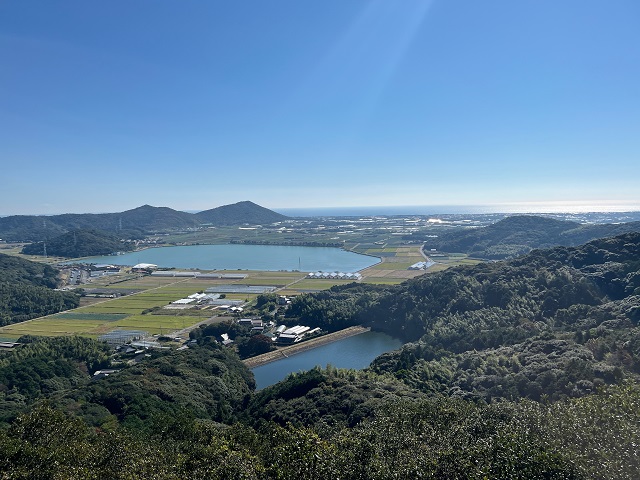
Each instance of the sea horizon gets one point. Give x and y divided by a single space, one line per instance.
350 211
524 208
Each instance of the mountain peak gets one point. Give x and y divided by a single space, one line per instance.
240 213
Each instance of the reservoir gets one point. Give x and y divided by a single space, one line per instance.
355 352
245 257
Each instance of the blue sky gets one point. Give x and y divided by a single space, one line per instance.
105 106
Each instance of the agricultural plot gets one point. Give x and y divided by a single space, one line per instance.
442 263
48 326
383 280
395 265
157 323
271 278
122 312
381 254
100 317
312 284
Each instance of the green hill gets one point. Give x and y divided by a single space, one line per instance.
18 270
26 290
131 223
522 233
79 243
240 213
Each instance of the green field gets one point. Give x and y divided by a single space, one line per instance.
157 323
122 312
384 280
50 327
126 312
392 265
320 284
101 317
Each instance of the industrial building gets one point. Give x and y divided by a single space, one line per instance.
293 334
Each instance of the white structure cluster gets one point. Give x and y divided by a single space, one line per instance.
335 275
420 265
295 334
196 298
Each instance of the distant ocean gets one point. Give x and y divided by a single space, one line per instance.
454 209
540 207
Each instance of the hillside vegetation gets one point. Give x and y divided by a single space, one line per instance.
552 324
238 214
131 223
518 369
79 243
26 291
520 234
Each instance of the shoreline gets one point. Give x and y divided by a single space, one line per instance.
285 352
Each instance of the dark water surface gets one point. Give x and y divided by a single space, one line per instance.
355 352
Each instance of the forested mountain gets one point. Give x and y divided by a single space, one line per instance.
556 323
240 213
330 424
26 290
45 367
79 243
209 383
520 234
144 219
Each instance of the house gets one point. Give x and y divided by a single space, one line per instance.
103 373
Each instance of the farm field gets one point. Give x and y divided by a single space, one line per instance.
271 278
320 284
384 280
122 312
52 327
98 316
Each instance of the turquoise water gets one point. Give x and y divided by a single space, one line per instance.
245 257
355 352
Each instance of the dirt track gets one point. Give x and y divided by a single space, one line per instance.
284 352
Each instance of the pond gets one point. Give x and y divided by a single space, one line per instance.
245 257
355 352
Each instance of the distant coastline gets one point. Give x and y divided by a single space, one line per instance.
506 208
525 208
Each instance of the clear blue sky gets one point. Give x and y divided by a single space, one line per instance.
107 105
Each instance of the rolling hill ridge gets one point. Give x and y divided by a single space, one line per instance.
520 234
134 222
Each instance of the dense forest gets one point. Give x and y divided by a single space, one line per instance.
552 324
26 291
519 234
191 414
79 243
526 368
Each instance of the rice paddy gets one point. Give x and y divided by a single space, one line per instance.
99 316
124 312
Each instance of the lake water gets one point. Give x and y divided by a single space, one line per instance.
355 352
245 257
